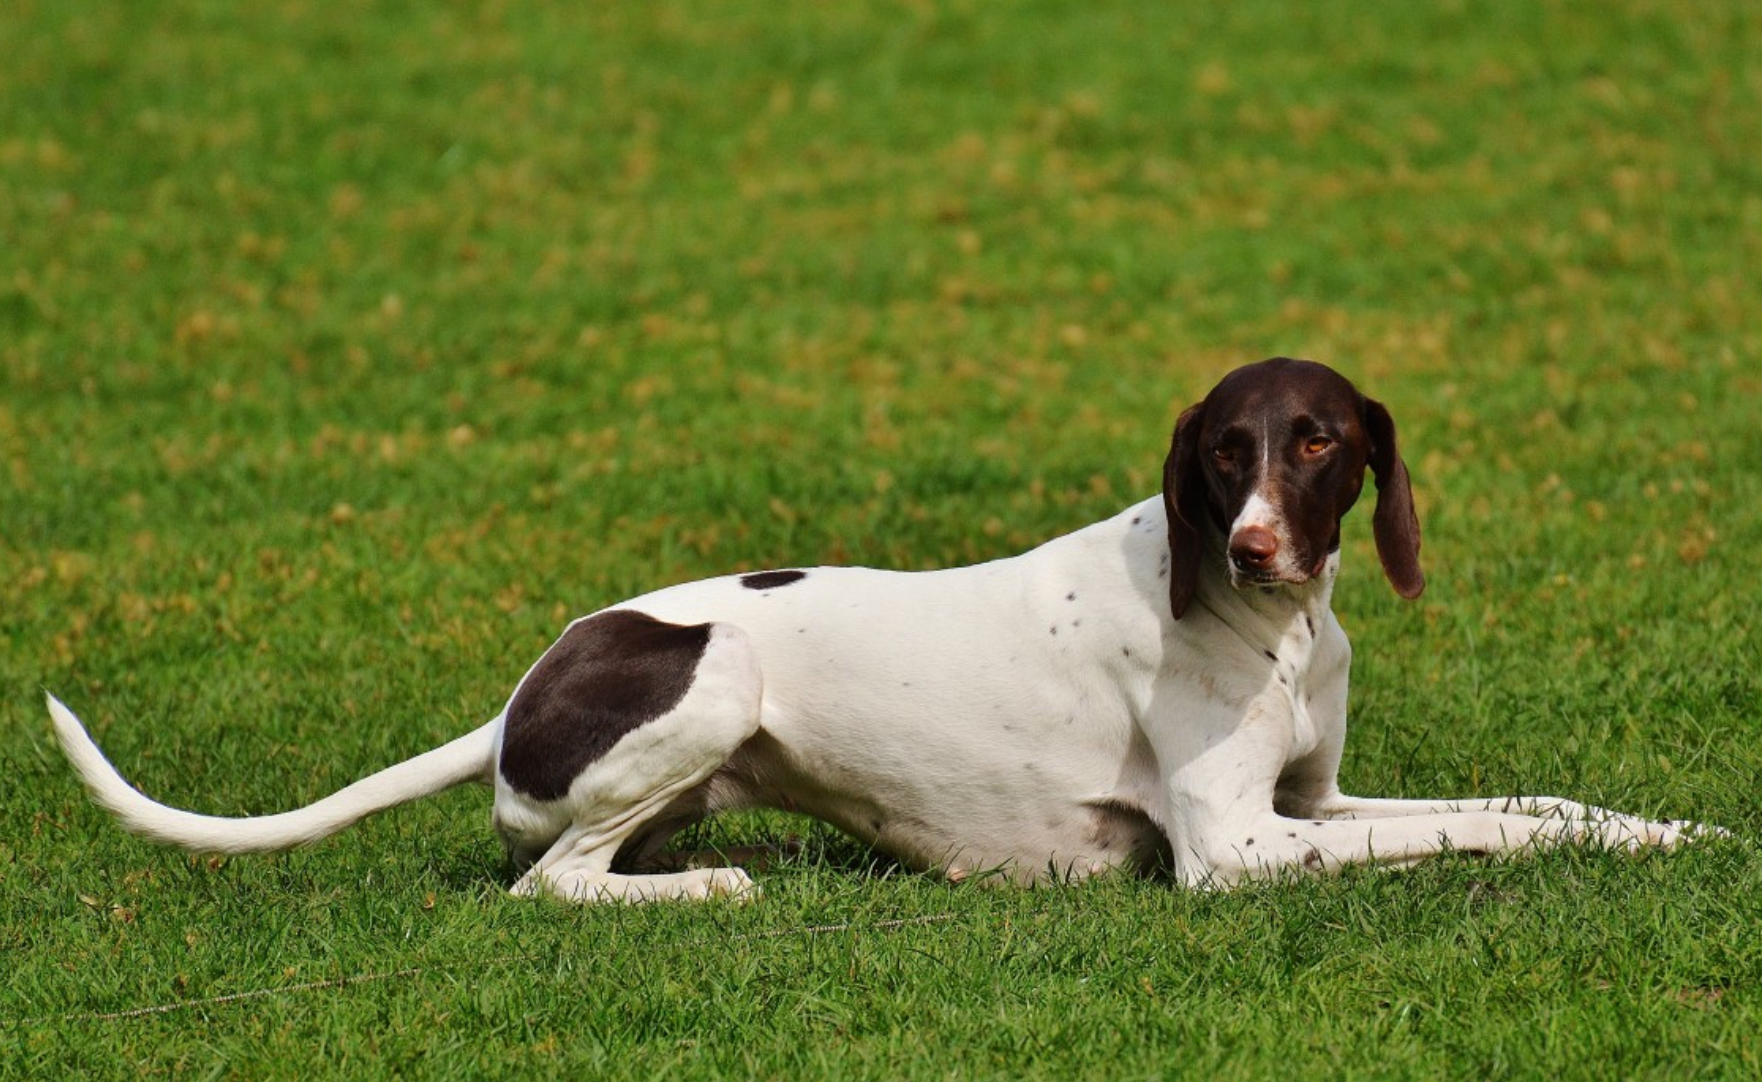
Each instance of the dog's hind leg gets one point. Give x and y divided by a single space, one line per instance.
608 738
578 868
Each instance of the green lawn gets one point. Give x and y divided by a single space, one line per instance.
346 351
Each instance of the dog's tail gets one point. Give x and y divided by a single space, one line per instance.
469 758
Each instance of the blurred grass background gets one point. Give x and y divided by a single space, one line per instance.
346 352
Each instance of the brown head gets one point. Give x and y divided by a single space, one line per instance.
1272 460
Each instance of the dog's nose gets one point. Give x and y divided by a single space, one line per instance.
1252 548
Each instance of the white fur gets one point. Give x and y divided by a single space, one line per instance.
979 719
462 760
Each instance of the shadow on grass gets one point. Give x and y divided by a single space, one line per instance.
796 844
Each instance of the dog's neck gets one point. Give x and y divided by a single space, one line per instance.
1282 621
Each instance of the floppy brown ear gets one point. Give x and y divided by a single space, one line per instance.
1183 498
1394 522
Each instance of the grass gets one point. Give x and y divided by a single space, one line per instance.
345 354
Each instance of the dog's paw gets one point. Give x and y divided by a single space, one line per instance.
731 883
593 887
1687 830
1635 835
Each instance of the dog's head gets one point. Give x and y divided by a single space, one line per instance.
1271 460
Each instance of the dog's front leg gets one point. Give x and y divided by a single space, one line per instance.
1602 822
1309 789
1221 769
1279 845
1228 840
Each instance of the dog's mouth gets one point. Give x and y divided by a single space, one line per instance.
1267 579
1273 578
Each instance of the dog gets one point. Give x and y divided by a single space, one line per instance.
1162 691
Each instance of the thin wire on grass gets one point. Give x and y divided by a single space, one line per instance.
235 997
418 971
823 929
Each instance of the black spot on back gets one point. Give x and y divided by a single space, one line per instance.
771 580
607 676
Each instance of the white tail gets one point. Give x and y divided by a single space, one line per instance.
469 758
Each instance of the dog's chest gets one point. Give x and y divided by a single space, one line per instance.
1303 667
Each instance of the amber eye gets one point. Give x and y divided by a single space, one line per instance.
1315 445
1223 455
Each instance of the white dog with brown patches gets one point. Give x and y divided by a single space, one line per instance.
1163 690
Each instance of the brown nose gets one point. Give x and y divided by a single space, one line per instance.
1252 548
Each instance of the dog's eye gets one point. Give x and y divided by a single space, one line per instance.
1223 456
1315 445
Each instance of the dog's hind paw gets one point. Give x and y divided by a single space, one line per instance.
590 888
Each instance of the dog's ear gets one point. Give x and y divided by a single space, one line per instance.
1394 522
1183 498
